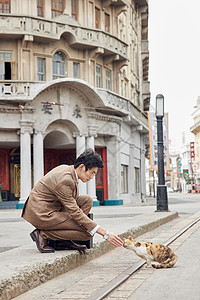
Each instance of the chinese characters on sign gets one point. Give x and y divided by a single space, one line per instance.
195 167
173 181
186 176
76 112
192 155
194 164
47 108
153 141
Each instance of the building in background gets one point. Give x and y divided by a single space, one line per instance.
174 177
183 172
195 129
73 75
182 166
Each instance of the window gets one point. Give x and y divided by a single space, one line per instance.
58 65
4 6
40 8
74 9
97 18
41 71
124 179
56 8
137 180
98 76
108 79
76 70
107 22
7 67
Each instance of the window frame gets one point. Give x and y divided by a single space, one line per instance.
137 180
74 12
59 65
40 7
55 10
124 179
108 80
6 57
44 69
107 20
4 2
97 17
99 78
78 70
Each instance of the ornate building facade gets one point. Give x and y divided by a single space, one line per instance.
195 129
73 75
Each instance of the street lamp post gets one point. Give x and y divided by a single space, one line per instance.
162 200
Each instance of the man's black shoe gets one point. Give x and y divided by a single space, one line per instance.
68 245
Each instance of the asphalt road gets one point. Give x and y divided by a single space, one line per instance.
184 204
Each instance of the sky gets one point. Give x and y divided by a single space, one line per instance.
174 68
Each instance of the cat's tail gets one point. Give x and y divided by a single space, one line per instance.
169 263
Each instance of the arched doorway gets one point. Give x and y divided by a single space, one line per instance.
59 144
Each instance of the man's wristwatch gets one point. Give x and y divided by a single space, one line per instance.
106 236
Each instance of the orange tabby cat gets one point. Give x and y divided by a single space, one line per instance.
162 255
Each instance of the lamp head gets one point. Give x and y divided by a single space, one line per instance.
159 105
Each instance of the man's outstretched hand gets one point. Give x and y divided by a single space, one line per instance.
115 240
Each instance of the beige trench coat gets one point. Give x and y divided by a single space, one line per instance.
53 200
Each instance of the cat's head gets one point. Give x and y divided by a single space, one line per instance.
128 242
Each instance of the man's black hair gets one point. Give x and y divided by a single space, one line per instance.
90 159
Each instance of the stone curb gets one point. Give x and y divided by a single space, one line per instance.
28 279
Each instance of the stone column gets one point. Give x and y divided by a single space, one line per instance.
80 148
114 167
25 162
38 156
131 174
91 185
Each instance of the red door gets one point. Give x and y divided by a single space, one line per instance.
101 178
54 158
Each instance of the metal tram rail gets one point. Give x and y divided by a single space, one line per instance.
108 288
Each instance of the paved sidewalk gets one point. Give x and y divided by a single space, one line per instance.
23 267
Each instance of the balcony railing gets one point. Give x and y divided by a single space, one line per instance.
95 38
51 30
13 89
123 105
19 89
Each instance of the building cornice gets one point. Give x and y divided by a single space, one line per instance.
15 110
195 128
103 117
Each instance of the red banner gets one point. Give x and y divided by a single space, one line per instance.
192 154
